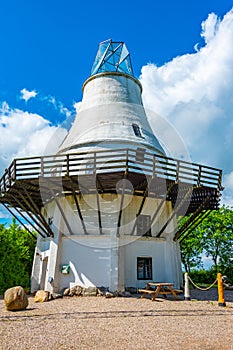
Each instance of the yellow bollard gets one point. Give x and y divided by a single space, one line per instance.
221 300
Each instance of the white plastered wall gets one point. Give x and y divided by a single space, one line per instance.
106 259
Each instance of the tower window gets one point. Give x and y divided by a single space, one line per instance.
144 225
137 130
144 268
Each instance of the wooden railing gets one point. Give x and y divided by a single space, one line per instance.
108 161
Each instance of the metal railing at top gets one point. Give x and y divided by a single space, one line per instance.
108 161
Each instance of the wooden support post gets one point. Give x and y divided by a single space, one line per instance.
50 188
21 223
120 210
67 165
175 211
180 235
63 215
199 176
22 206
190 220
97 196
35 210
122 195
79 210
99 212
42 166
145 195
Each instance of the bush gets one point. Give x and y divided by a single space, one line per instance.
203 276
16 256
209 276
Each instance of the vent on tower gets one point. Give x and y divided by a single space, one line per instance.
112 57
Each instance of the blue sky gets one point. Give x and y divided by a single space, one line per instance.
50 45
182 51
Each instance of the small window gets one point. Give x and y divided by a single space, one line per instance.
144 268
144 225
137 130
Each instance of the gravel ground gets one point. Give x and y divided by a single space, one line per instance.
120 323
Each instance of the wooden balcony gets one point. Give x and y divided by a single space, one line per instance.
29 183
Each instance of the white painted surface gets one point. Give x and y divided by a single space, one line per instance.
109 206
106 267
111 104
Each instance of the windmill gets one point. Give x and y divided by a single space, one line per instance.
106 205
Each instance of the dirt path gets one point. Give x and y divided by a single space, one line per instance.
120 323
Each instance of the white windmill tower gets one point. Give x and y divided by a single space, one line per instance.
109 199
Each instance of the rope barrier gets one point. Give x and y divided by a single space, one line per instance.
219 281
196 286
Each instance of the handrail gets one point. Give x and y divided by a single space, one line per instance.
103 161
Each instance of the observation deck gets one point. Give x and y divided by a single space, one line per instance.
31 183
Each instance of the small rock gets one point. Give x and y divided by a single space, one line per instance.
79 290
102 290
76 290
56 296
124 294
90 292
41 296
99 293
66 292
109 295
15 299
132 290
72 291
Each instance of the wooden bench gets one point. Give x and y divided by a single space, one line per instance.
155 289
178 291
149 291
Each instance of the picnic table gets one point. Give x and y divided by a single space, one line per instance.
157 288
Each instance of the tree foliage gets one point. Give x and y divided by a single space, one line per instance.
214 238
191 251
16 256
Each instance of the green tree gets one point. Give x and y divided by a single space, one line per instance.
213 237
217 236
16 256
191 251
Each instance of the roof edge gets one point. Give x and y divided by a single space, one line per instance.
92 77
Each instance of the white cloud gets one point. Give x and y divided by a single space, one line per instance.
194 92
77 106
26 95
210 27
4 214
228 180
58 105
228 193
25 134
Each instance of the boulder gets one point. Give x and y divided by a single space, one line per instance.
90 292
76 290
41 296
15 299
